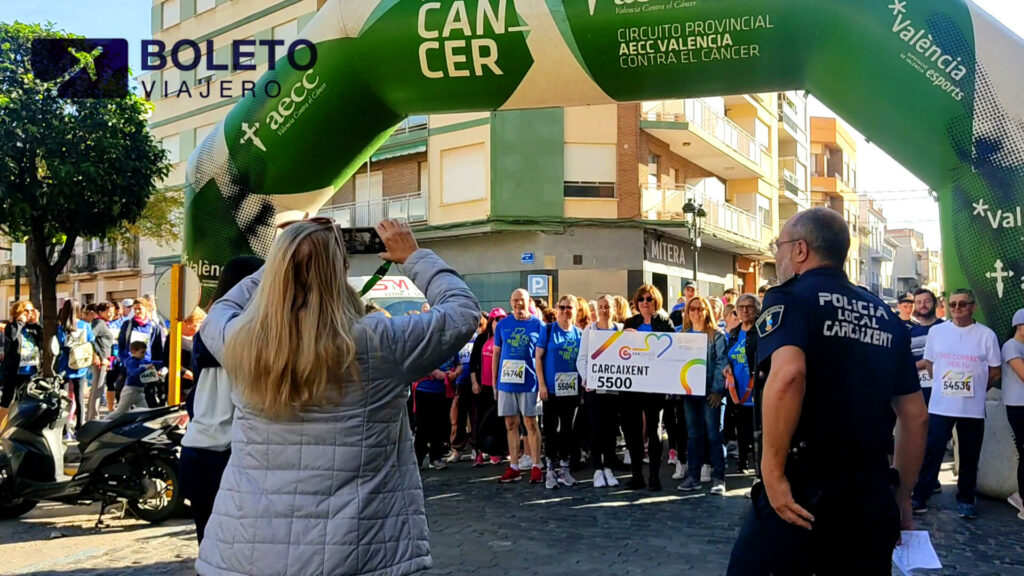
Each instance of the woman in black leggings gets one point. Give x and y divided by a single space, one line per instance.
601 406
1013 397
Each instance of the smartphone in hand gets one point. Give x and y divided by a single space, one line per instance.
362 241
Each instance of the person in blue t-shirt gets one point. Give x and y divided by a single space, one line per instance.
433 407
739 377
515 378
463 400
559 387
73 331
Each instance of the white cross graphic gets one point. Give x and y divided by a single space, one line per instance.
898 7
980 208
998 276
250 135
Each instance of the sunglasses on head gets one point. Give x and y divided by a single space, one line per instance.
961 304
645 299
321 220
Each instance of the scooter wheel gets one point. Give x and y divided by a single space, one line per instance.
11 511
166 498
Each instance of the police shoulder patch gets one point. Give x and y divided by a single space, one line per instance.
769 320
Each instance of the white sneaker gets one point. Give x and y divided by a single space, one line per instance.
453 457
673 457
626 459
609 478
525 462
565 478
718 488
1016 502
680 471
551 480
705 473
599 479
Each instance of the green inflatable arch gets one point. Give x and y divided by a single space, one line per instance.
936 83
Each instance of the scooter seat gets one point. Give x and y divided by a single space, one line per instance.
96 428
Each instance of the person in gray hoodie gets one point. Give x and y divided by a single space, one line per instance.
322 477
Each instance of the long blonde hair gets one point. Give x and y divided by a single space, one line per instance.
710 323
622 312
295 337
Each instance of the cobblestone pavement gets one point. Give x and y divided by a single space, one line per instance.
481 527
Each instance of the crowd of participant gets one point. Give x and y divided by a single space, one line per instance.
520 385
517 394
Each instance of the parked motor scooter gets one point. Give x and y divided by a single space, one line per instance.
131 459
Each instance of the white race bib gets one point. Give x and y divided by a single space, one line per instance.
957 384
139 337
513 371
925 377
567 383
29 353
149 376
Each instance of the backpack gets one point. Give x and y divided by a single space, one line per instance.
80 351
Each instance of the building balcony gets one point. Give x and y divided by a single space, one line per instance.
725 226
698 133
882 253
409 207
791 121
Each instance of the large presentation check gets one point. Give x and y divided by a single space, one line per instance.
648 362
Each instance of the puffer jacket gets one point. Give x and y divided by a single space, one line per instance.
337 490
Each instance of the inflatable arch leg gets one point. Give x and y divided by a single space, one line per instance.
936 83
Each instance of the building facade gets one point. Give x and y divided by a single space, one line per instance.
834 183
907 265
592 197
876 255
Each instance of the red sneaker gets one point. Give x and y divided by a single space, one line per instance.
479 460
536 475
510 475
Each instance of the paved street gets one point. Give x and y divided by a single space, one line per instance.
481 527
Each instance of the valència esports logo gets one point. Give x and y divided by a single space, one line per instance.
98 67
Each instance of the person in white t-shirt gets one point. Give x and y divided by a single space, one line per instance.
963 359
1013 397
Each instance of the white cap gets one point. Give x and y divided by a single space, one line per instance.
1018 317
127 303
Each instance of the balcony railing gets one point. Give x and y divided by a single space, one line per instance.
722 219
409 207
697 112
884 252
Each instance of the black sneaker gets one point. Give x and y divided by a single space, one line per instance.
918 506
636 483
654 484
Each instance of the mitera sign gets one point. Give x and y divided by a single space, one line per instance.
665 363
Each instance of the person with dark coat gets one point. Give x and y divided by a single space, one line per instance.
22 338
640 409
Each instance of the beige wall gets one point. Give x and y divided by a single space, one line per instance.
462 211
591 284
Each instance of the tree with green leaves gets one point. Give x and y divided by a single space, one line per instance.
69 168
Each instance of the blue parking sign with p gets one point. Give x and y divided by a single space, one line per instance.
537 285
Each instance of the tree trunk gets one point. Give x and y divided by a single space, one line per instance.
44 289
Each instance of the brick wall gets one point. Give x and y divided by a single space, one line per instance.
627 163
401 175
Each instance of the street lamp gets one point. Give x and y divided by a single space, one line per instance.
696 214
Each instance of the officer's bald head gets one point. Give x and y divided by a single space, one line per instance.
824 231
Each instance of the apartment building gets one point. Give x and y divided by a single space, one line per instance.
834 182
183 118
593 197
876 253
909 268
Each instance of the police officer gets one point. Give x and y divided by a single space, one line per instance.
836 359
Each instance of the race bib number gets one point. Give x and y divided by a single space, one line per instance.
567 383
139 337
149 376
925 377
29 354
957 384
513 371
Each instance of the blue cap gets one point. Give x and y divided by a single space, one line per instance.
1018 317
